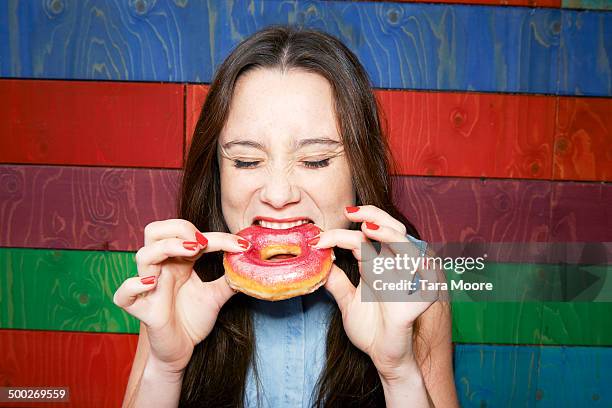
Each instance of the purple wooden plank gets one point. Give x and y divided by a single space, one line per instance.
474 210
581 212
82 207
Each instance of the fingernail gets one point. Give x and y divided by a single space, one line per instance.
352 209
372 226
314 241
201 238
244 243
148 280
190 245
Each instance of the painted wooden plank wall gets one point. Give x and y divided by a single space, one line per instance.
97 208
73 290
108 208
525 3
94 366
402 45
583 139
450 134
498 376
588 4
520 376
64 290
432 133
87 123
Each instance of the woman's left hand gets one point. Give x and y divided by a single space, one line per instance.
382 329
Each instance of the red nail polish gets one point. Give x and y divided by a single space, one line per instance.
190 245
314 241
201 238
372 226
148 280
352 209
243 243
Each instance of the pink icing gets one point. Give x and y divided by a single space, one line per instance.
307 264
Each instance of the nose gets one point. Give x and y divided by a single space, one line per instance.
279 190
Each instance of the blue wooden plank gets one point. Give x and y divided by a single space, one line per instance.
496 376
585 55
575 377
402 45
533 376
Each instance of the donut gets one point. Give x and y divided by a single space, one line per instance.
279 264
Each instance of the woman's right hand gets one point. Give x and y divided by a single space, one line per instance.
178 309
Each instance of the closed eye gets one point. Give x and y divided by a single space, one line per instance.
316 164
245 164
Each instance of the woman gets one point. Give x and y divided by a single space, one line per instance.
289 130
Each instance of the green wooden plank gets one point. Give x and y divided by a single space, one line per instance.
43 289
588 4
64 290
497 322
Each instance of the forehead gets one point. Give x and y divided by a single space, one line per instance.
282 106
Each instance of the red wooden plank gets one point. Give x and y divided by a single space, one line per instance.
527 3
82 207
94 366
196 94
583 139
458 134
470 134
91 123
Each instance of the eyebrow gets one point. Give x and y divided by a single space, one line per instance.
300 144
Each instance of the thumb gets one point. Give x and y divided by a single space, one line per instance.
341 288
220 290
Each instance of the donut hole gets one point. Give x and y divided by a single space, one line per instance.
276 253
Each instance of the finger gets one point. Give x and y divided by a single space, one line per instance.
128 293
355 241
149 258
340 287
172 228
374 214
431 287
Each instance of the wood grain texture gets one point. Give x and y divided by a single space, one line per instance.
94 366
105 208
519 376
588 4
526 3
470 134
581 212
73 291
195 97
402 45
496 376
585 65
473 210
83 123
583 139
83 207
64 290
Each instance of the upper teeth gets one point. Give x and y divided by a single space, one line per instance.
281 225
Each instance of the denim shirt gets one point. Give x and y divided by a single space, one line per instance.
290 338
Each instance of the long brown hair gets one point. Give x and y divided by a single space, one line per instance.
216 373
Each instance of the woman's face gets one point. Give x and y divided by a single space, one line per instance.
280 153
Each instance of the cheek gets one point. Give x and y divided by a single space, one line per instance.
234 188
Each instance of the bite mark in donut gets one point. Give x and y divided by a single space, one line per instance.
280 264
